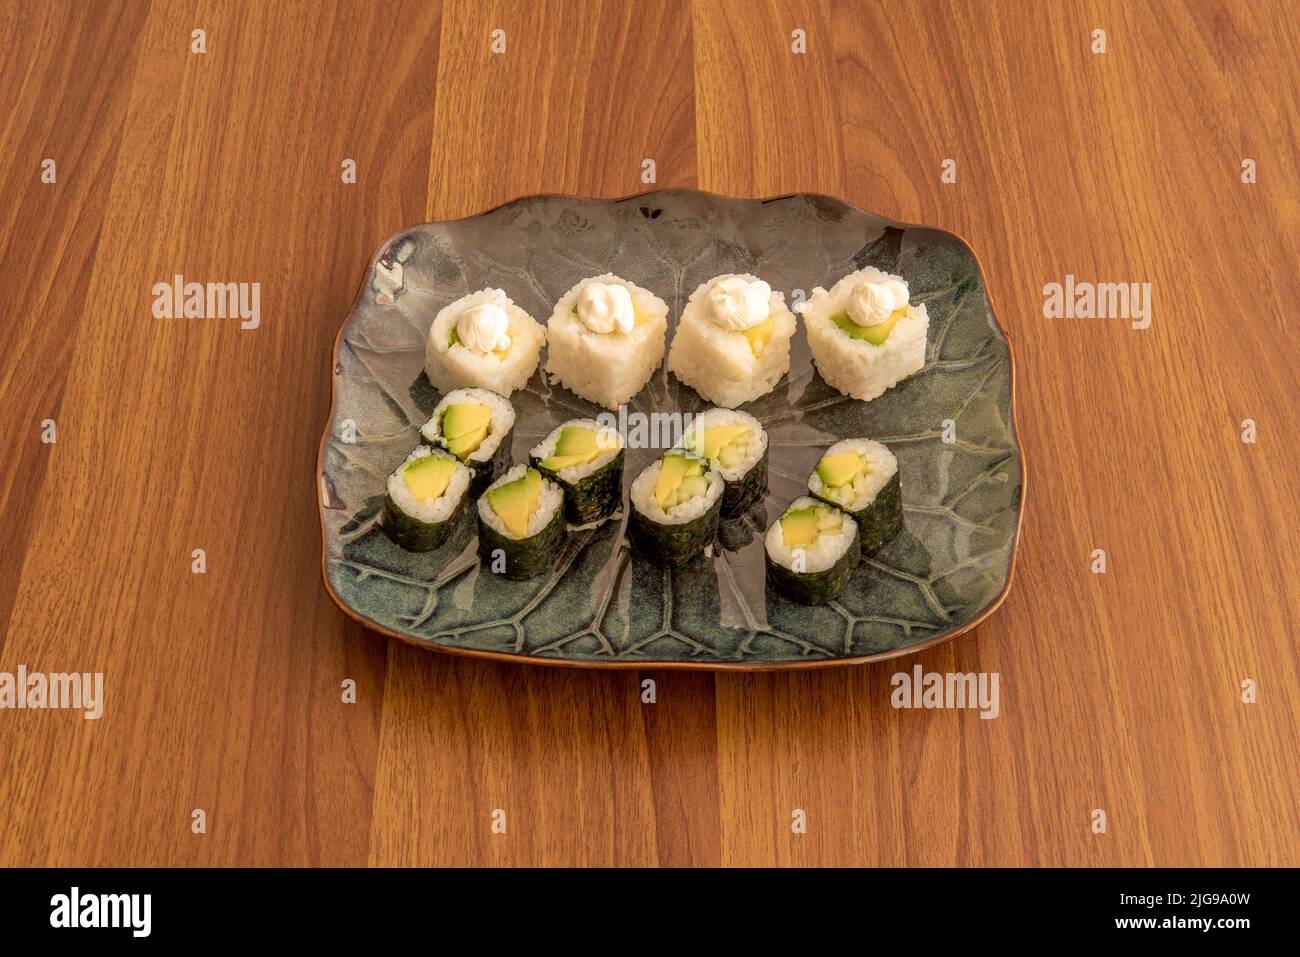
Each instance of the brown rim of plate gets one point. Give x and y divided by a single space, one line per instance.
650 665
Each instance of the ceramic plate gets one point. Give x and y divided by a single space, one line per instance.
950 425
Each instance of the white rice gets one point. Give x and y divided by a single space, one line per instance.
857 368
552 499
711 419
718 363
643 497
457 367
576 473
503 420
826 549
883 467
428 510
605 368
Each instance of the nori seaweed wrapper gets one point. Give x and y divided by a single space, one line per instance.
814 588
737 532
734 534
411 533
525 557
738 496
593 498
676 543
881 520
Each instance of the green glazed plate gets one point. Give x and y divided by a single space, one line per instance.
951 426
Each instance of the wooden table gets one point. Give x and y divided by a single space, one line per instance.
1120 691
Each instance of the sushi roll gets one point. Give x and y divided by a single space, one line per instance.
861 477
586 460
676 503
424 496
520 524
864 334
473 425
736 444
605 339
732 343
483 341
811 551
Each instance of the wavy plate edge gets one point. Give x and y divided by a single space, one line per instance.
650 664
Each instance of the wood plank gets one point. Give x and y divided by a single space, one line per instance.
223 689
579 766
68 99
1092 165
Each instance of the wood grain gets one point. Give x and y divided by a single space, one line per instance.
1120 691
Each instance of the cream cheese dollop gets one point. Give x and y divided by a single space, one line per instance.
482 328
606 307
871 303
737 303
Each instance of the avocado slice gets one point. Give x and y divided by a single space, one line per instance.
836 470
516 501
575 440
717 439
459 420
575 446
876 334
428 476
557 463
799 526
464 427
672 468
759 335
675 469
462 446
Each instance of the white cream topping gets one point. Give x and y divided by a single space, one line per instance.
606 307
734 302
482 328
871 303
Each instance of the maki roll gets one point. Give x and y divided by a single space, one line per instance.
861 477
473 425
736 445
586 460
732 342
865 335
483 340
424 496
811 551
676 503
605 339
520 524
